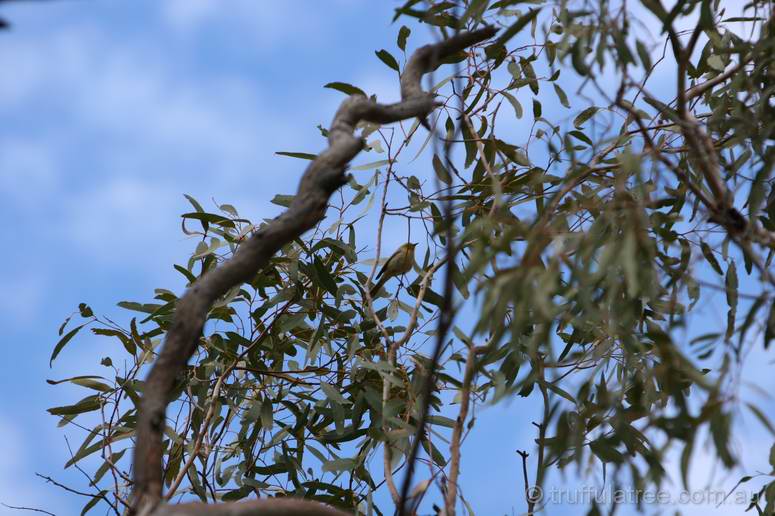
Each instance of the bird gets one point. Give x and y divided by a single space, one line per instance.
399 263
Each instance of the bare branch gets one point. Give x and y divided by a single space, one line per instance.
21 508
699 89
457 433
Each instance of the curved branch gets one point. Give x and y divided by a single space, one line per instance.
322 178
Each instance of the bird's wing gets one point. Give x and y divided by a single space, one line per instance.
385 265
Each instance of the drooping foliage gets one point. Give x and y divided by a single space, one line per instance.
595 173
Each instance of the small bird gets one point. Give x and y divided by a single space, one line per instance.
400 263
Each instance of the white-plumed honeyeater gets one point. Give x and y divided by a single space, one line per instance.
400 263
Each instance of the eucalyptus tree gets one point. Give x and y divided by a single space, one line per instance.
587 174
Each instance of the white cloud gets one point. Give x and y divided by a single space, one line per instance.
259 25
120 217
140 103
215 119
131 133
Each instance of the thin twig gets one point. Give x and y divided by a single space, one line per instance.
524 456
457 433
21 508
80 493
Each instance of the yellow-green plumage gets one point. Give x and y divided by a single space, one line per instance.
399 263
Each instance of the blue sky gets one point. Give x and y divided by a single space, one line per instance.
111 112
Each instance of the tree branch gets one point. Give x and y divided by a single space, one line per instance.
321 179
457 433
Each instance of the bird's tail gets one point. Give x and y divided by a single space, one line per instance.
375 289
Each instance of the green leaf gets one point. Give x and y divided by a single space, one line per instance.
756 194
238 494
114 458
731 284
719 430
326 279
274 469
537 111
577 58
403 34
85 310
64 325
387 58
716 63
85 450
194 203
185 272
345 249
63 342
769 329
710 257
94 501
363 191
514 103
332 393
530 75
282 200
474 11
267 414
138 307
89 382
441 171
561 95
87 404
585 115
643 54
562 392
336 465
373 164
209 218
434 452
512 152
128 344
663 109
581 136
228 208
345 88
605 451
300 155
441 421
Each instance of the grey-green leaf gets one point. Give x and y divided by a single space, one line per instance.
63 342
387 58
